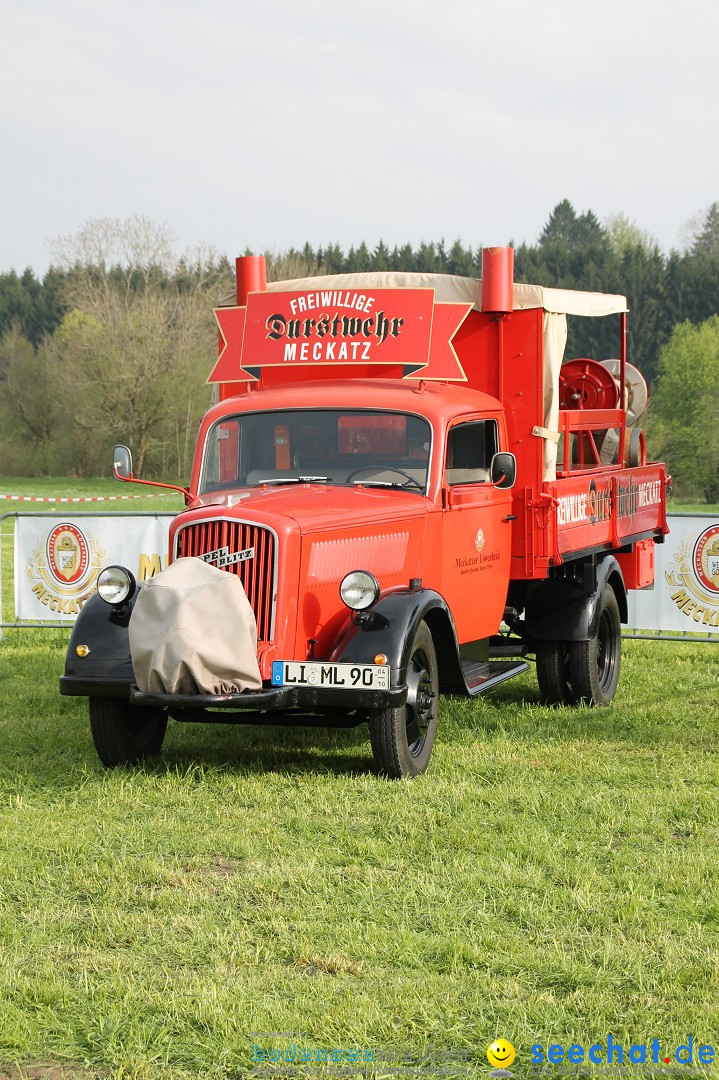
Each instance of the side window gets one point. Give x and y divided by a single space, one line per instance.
470 448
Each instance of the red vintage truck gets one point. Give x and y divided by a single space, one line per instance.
417 491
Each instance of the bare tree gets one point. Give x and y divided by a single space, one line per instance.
139 343
700 234
136 243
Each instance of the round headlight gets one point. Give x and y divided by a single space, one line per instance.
359 590
115 584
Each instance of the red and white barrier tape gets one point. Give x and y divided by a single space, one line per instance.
81 498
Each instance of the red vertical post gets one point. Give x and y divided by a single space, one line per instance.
622 382
251 272
498 296
498 280
251 276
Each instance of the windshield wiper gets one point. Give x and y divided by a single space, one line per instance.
380 483
298 480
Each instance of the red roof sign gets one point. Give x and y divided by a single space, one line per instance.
402 328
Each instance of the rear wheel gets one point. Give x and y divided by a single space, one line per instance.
553 673
124 734
402 738
594 664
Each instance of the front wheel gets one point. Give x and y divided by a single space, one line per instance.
124 734
594 664
402 738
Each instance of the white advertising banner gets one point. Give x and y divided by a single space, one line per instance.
685 597
57 560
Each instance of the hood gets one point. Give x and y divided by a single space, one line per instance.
315 507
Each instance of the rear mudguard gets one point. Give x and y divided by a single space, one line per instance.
389 629
561 609
107 667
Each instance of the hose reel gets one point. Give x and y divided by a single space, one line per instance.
587 384
590 384
594 384
635 389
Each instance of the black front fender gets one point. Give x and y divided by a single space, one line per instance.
106 670
390 628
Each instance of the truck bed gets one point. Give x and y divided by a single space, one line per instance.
595 510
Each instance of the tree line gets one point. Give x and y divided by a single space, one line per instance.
116 340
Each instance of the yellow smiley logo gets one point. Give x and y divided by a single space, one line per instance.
500 1054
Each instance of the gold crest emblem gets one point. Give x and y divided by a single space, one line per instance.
64 568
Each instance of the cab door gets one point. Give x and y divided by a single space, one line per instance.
476 528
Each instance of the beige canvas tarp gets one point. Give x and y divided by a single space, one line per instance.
192 631
461 290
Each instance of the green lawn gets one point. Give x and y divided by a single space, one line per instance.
552 879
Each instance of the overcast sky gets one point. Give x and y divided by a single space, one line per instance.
276 122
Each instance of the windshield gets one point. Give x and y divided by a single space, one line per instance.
326 446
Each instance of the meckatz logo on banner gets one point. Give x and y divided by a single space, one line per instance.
694 572
57 561
63 569
685 596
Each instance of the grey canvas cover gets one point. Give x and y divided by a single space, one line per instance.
192 631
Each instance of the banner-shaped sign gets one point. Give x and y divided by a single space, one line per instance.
57 561
402 328
686 580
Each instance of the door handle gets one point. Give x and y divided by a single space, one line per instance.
510 517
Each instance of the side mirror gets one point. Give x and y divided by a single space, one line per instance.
503 470
122 463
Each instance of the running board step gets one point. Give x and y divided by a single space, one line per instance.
481 676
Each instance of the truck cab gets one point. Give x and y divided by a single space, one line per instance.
398 484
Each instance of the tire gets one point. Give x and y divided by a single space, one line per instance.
594 664
402 738
553 673
124 734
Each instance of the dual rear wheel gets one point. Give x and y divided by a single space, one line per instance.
583 672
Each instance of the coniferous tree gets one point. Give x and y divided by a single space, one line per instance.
706 240
381 257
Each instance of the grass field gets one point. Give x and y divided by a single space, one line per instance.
552 879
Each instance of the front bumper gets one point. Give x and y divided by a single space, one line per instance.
270 699
277 699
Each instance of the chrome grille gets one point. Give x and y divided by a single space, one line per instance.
257 573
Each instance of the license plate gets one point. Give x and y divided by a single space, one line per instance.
337 676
